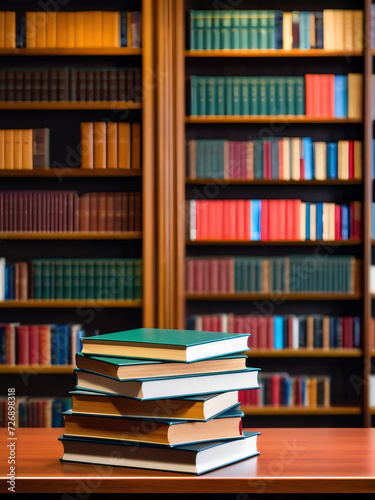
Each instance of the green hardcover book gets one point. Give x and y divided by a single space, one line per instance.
319 284
53 280
216 27
120 292
244 28
299 93
258 159
259 275
59 279
245 100
67 279
37 279
220 162
199 163
112 279
208 29
325 267
263 96
106 287
200 21
236 95
90 270
341 275
271 96
254 95
236 25
210 160
238 288
194 95
46 279
202 96
137 270
166 345
99 288
83 279
211 96
263 29
220 95
129 280
254 26
193 29
290 95
281 108
270 29
76 278
226 29
229 96
274 157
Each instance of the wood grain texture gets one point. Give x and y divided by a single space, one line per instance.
290 461
273 53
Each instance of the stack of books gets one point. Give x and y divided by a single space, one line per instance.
160 399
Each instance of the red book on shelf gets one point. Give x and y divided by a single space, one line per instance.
33 345
247 220
296 219
23 280
65 211
70 211
281 159
344 333
222 276
270 333
243 159
240 219
93 217
302 161
10 344
218 208
289 226
44 344
236 167
230 275
102 216
226 220
211 220
131 208
190 283
198 275
60 209
137 211
338 232
75 212
206 277
264 234
351 159
214 275
109 214
206 323
232 214
230 326
125 212
272 220
349 332
56 211
23 345
311 104
326 92
281 212
297 392
117 211
84 213
331 95
263 337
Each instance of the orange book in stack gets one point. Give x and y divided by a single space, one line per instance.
10 30
100 145
31 30
17 154
136 146
124 148
87 145
41 30
51 34
112 145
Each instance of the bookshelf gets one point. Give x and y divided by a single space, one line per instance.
340 364
63 119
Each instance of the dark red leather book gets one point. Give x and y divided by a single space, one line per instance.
56 203
61 209
102 205
44 212
97 85
131 211
3 93
247 220
113 85
129 85
27 85
93 218
73 85
121 85
36 85
44 94
10 85
75 212
351 159
63 78
138 211
338 232
137 91
52 212
84 211
18 85
52 86
90 92
64 195
33 345
109 214
117 211
81 86
70 211
105 90
22 337
125 212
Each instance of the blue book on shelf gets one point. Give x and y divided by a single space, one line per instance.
255 220
307 149
345 221
357 332
124 29
319 221
332 320
331 160
80 334
57 418
373 220
308 222
278 29
304 30
278 332
63 338
55 345
338 333
9 282
319 38
341 96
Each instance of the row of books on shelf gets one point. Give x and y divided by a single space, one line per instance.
111 145
71 84
313 331
272 220
24 149
292 274
71 279
282 389
42 345
66 211
88 29
340 30
277 158
35 411
312 95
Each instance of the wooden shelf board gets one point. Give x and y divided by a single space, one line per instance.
224 182
69 105
266 119
271 296
72 172
352 242
304 353
134 235
69 303
273 53
113 51
37 369
300 410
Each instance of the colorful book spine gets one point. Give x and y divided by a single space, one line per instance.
36 411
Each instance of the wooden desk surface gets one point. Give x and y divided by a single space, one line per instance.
290 461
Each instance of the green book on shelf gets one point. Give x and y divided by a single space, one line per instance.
299 95
137 291
220 95
67 279
290 92
90 269
236 24
129 279
258 159
59 280
245 100
271 29
37 279
200 18
263 29
99 287
83 279
120 279
226 29
106 288
202 96
263 105
208 21
254 26
211 96
281 107
254 96
229 96
271 96
166 345
216 27
194 95
244 28
193 29
46 279
236 95
76 278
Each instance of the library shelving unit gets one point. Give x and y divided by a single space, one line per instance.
348 368
63 119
